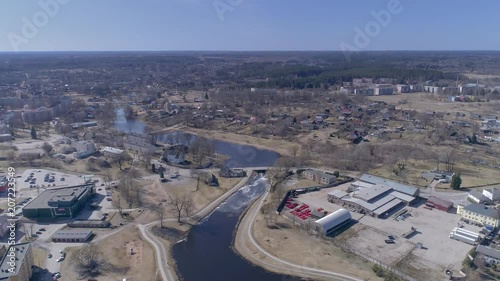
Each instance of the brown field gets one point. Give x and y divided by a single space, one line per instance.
296 246
116 250
429 102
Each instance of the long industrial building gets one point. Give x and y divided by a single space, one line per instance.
376 198
333 221
59 202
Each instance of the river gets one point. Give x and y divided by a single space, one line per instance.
207 254
240 156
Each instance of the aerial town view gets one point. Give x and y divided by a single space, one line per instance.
260 140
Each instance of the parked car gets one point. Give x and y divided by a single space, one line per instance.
60 259
389 241
42 229
56 275
49 256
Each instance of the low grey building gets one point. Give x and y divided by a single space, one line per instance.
72 236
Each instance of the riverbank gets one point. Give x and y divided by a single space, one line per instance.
164 246
284 249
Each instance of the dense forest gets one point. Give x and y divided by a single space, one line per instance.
303 76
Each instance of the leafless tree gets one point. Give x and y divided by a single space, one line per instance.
106 114
180 204
121 158
118 204
129 112
160 210
278 173
146 158
89 261
47 147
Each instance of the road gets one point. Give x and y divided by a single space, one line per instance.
161 253
278 264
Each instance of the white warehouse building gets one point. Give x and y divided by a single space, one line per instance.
332 221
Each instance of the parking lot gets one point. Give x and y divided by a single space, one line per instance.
367 237
32 178
432 230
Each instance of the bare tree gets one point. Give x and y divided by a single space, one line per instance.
47 147
160 210
277 174
89 261
118 204
180 204
121 158
146 158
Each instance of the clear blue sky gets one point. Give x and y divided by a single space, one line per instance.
95 25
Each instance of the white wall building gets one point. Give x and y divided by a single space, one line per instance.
492 193
84 148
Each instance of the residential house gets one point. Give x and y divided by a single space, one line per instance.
212 180
139 143
320 177
175 154
227 172
477 197
111 152
492 194
479 214
84 148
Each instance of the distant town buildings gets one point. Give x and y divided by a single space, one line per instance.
383 89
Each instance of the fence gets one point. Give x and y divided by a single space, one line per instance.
387 267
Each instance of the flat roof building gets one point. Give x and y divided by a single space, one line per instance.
72 236
59 202
17 263
403 188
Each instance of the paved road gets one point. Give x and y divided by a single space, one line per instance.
281 265
166 271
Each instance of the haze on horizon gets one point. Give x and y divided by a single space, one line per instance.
248 25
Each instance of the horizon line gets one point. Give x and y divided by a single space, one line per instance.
235 51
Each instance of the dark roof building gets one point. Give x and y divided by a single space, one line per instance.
72 236
59 202
17 262
489 252
439 203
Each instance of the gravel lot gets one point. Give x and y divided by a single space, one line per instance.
439 252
